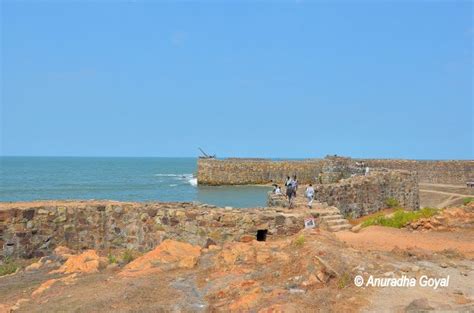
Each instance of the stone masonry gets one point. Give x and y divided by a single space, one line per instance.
362 195
327 170
34 229
255 171
456 172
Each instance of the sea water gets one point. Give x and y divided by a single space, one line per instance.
123 179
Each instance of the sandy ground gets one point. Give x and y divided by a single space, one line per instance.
460 189
457 297
387 238
434 246
442 195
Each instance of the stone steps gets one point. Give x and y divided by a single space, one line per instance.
331 219
325 212
340 221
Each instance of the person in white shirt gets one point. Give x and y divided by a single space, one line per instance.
309 193
367 170
277 190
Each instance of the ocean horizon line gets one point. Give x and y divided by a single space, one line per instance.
155 157
228 157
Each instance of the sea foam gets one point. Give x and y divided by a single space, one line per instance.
189 178
174 175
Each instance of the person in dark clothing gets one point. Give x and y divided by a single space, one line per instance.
290 193
294 185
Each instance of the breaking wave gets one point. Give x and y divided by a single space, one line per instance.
189 178
175 175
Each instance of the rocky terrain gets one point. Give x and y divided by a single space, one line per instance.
311 271
449 219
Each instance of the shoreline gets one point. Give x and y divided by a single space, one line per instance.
5 205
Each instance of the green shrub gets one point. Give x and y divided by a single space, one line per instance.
343 280
399 218
300 241
8 267
467 200
374 220
128 256
428 212
392 203
112 259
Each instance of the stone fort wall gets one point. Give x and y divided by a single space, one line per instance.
263 171
363 195
34 229
456 172
253 171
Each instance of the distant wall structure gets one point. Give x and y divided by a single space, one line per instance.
455 172
255 171
328 170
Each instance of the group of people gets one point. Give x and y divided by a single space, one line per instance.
291 185
363 167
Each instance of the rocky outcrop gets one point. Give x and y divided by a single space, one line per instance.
168 255
299 273
446 220
86 262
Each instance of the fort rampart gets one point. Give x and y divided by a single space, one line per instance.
362 195
34 229
328 170
456 172
251 171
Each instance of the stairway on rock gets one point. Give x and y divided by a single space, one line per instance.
331 218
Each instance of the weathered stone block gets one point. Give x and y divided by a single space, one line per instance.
144 217
28 214
60 219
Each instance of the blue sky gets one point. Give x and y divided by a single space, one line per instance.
281 79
